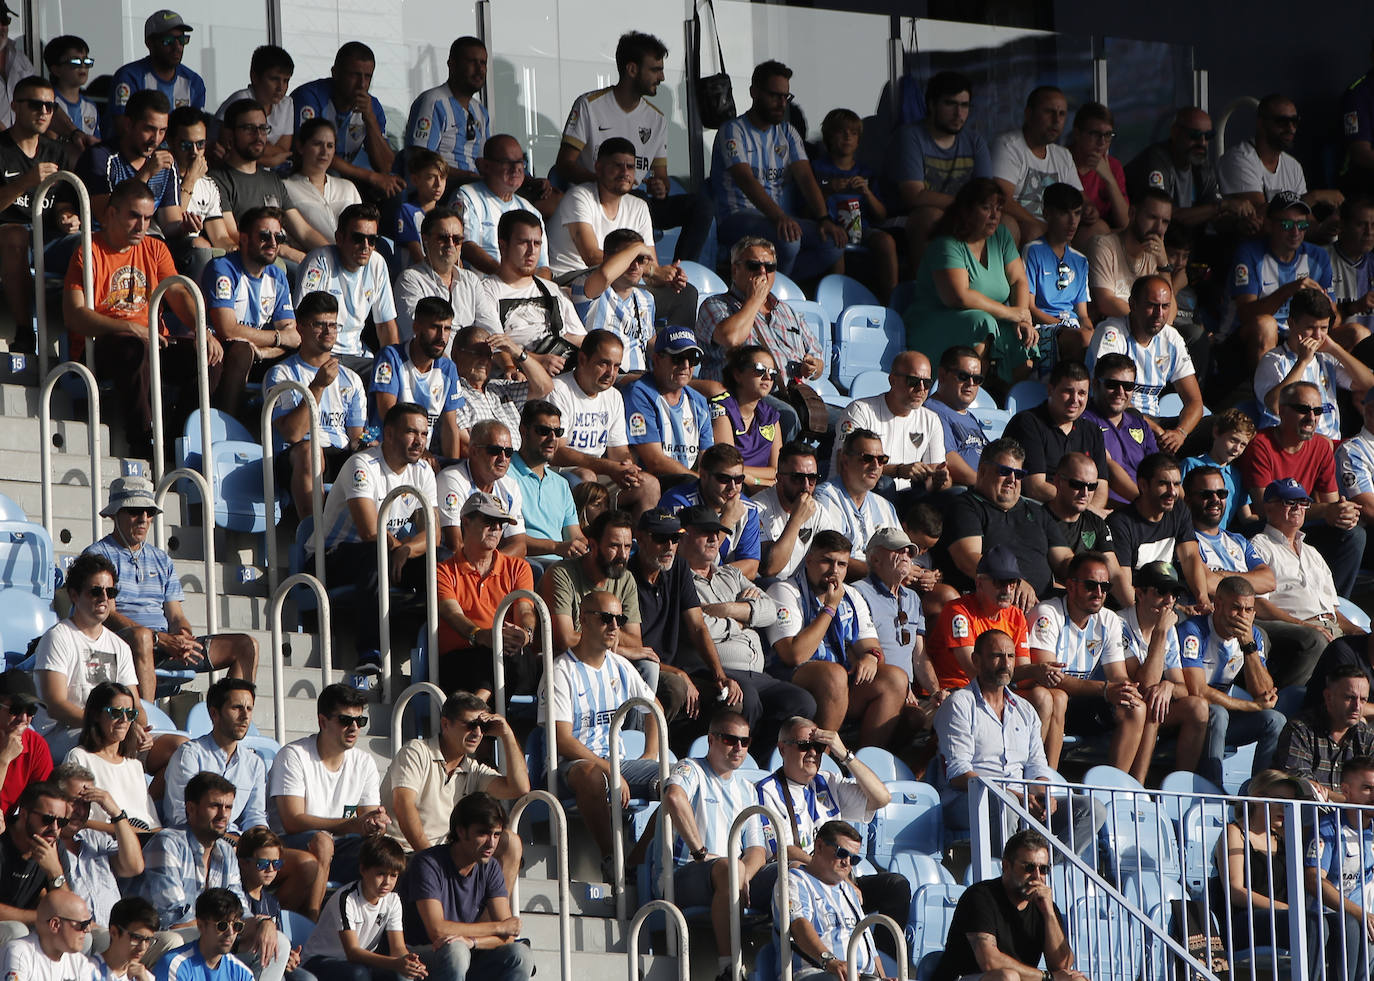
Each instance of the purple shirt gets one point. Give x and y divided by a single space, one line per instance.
756 443
432 875
1127 443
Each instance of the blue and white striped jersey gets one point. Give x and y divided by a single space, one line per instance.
1083 650
1163 359
256 302
1355 464
631 318
716 799
588 697
768 152
1133 639
482 211
1227 552
833 910
436 390
316 99
1220 660
1324 371
439 122
826 798
342 405
684 430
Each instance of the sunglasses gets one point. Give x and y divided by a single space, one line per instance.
690 357
758 265
136 939
763 371
228 926
619 619
141 512
39 105
351 720
544 432
449 239
1094 585
267 238
1291 224
1300 503
81 925
809 478
1081 486
966 377
1207 493
806 745
495 451
1196 135
666 538
916 381
477 350
1306 410
128 714
99 593
787 98
22 708
470 133
1118 384
871 458
263 865
363 238
262 128
1063 275
475 725
507 164
728 478
1285 120
1016 473
169 40
844 855
191 144
1029 867
731 740
51 820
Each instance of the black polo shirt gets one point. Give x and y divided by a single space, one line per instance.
985 908
1090 533
1139 542
1044 442
1027 528
661 605
21 880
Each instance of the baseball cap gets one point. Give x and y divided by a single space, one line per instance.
675 340
701 516
1287 489
18 685
483 503
1160 576
999 562
164 22
1284 200
130 492
659 521
889 537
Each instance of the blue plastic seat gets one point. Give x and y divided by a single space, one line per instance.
264 746
198 721
705 280
26 559
10 510
932 910
836 292
1026 395
887 767
911 822
1136 834
223 426
785 289
866 337
1170 405
902 296
1108 944
23 617
159 721
920 870
869 383
994 422
815 320
1353 613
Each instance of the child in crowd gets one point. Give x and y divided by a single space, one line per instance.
590 498
1232 431
69 62
360 917
613 300
1058 277
259 852
850 198
133 927
428 175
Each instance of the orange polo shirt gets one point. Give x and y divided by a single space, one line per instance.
478 595
959 625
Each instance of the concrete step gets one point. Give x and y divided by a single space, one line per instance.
605 966
590 934
22 432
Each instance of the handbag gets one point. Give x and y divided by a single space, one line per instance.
715 96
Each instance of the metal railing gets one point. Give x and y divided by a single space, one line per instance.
269 478
426 511
851 949
207 531
92 440
202 377
498 649
782 894
679 923
558 830
83 199
278 657
665 831
398 710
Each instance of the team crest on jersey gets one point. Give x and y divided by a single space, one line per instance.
805 534
638 427
1042 623
683 768
1089 539
223 288
359 478
574 116
769 431
1161 362
1352 123
122 93
1156 179
383 376
312 280
1093 646
958 627
917 439
307 112
1242 276
1137 434
644 134
779 149
1348 476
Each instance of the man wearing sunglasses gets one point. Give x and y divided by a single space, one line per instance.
1181 167
1004 927
132 926
719 490
1225 553
166 36
218 924
24 754
850 494
962 621
54 948
789 513
441 275
345 97
487 469
669 421
430 776
30 863
1126 434
910 433
1258 170
959 380
825 908
552 530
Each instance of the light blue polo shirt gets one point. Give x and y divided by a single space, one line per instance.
548 503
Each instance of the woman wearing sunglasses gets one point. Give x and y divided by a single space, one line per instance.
108 751
741 417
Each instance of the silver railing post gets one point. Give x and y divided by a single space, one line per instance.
207 531
426 511
558 828
617 812
851 949
1298 907
981 833
498 647
398 710
92 441
782 892
83 199
279 660
679 925
202 373
269 486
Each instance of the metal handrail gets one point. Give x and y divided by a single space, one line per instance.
207 530
269 483
558 821
851 949
92 440
617 812
426 509
498 648
202 373
679 923
782 893
278 661
398 710
83 199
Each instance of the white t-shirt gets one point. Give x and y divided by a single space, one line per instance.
1029 175
321 210
582 204
1083 651
84 662
590 424
455 487
857 522
282 117
482 211
347 909
24 960
1240 171
366 475
917 437
525 322
773 519
298 771
596 117
360 293
205 201
127 783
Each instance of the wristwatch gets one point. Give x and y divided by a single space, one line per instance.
1249 648
57 881
522 357
845 760
826 958
699 854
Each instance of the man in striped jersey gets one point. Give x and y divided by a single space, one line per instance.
703 797
824 908
447 119
590 682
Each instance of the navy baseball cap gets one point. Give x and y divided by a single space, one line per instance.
999 562
676 340
702 517
659 521
1284 200
1287 489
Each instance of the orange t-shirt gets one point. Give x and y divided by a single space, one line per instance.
123 281
479 596
959 625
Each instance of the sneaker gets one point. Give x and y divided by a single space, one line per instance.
608 870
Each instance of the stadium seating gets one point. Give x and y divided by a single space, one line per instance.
707 283
786 290
932 909
866 336
912 822
836 292
1026 395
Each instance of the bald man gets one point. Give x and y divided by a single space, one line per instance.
502 166
1182 168
912 435
53 950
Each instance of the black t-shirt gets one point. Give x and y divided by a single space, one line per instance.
238 192
1339 653
1139 542
1028 529
661 605
14 163
1044 442
21 880
985 908
1090 533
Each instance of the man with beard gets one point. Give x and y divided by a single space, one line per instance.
789 512
418 371
1025 161
1317 743
448 119
1055 427
1257 170
135 149
457 910
30 866
1352 269
719 490
552 530
245 184
166 35
957 387
1156 527
1182 168
24 754
487 469
345 98
591 211
1116 260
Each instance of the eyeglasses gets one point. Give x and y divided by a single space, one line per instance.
78 62
22 708
607 618
806 745
1063 275
1207 493
1100 135
99 593
127 714
477 350
787 98
965 377
136 939
1306 410
188 145
475 725
1291 224
758 265
1094 585
763 371
731 740
363 238
809 478
1029 867
728 478
843 855
689 357
264 864
667 538
449 239
544 432
39 105
1198 135
267 238
1285 120
916 381
1117 383
871 458
495 451
228 926
1016 473
81 925
351 720
51 820
1081 486
168 40
261 128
